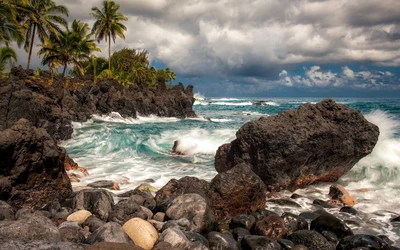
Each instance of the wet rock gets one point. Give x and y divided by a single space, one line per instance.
182 224
175 188
309 216
395 219
61 215
149 214
349 210
178 240
18 244
33 163
311 239
72 232
315 143
197 239
221 241
243 220
328 222
79 216
272 226
239 233
141 197
294 222
159 216
141 232
286 244
322 203
339 194
34 227
104 184
237 191
125 210
5 188
284 202
112 246
253 242
296 196
109 232
194 208
260 214
93 223
70 164
362 240
330 236
7 212
158 225
97 201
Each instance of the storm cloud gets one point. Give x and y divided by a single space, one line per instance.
257 41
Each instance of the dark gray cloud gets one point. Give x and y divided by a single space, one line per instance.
256 38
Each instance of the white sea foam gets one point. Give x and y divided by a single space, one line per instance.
115 117
195 141
379 172
199 97
232 103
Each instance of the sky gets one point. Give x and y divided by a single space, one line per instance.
265 48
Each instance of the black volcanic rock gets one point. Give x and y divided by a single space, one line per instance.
34 166
53 102
315 143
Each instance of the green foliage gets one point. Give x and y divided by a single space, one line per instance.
130 66
5 54
108 24
42 18
68 47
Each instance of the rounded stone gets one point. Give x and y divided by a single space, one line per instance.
142 233
79 216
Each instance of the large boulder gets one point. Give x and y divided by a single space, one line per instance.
315 143
33 164
195 209
97 201
34 227
236 191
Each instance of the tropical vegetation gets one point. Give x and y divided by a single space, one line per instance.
44 23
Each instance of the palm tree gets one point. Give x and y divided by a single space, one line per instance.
108 24
5 54
42 18
70 47
9 27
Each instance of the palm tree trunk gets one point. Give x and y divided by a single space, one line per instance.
65 69
31 46
109 55
9 59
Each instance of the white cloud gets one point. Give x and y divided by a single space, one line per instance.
347 78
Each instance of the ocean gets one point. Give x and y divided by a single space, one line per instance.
134 151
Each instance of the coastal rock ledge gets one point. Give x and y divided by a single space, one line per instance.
315 143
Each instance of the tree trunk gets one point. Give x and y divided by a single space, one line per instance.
109 55
31 46
9 59
65 68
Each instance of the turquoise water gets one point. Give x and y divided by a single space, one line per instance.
132 151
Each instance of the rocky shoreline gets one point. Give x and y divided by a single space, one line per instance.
39 210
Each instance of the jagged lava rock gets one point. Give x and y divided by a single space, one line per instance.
315 143
53 102
34 165
236 191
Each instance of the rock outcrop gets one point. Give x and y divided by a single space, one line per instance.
315 143
52 103
33 166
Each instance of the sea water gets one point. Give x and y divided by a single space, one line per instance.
132 151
